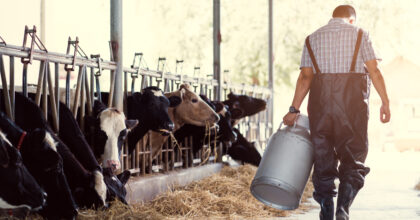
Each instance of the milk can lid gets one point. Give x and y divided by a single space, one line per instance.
303 121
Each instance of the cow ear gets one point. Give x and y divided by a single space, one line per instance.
231 95
174 101
98 107
4 155
204 98
236 113
184 86
124 176
131 123
218 106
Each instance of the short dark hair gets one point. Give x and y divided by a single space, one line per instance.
344 11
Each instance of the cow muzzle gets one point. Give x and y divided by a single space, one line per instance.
113 164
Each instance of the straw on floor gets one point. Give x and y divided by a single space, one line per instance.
224 195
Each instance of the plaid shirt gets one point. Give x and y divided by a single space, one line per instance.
333 46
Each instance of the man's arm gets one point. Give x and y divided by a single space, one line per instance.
302 88
379 84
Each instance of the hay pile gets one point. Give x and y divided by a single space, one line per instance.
225 194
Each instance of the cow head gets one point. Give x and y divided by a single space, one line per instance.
150 108
192 110
244 151
116 185
19 190
92 196
226 132
110 131
248 105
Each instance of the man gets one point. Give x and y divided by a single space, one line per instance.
333 69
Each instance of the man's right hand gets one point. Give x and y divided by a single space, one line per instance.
290 118
385 113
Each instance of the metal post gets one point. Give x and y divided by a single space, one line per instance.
217 38
43 21
270 59
116 43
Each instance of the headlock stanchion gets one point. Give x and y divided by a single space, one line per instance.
257 128
135 75
97 75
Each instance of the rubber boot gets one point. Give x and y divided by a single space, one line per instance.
327 209
346 195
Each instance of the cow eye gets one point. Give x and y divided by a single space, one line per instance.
194 100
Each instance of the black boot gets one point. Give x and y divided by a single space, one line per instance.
327 209
346 195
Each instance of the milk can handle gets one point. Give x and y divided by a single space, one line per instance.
294 125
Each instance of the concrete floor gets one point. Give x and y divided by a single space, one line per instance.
388 193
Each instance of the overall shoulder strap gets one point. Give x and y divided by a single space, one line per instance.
356 50
311 54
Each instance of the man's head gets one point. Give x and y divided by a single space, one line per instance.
345 11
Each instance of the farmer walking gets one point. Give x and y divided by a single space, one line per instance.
338 63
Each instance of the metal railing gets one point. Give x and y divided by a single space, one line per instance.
255 128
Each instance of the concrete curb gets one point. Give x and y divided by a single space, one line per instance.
143 189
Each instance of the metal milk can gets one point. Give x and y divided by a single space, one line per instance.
285 167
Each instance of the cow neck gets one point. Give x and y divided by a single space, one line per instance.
137 133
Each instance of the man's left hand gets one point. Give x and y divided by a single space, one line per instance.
290 118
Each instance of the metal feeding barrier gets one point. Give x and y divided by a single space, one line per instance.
256 128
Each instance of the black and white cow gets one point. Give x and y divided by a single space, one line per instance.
150 108
30 117
248 105
108 128
39 152
71 134
19 191
244 151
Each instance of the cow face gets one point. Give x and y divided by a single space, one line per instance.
192 110
150 107
248 105
116 185
226 132
92 197
18 188
244 151
111 129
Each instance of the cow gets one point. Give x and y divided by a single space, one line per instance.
108 128
19 191
150 108
244 151
71 134
39 153
30 117
248 105
192 110
199 134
